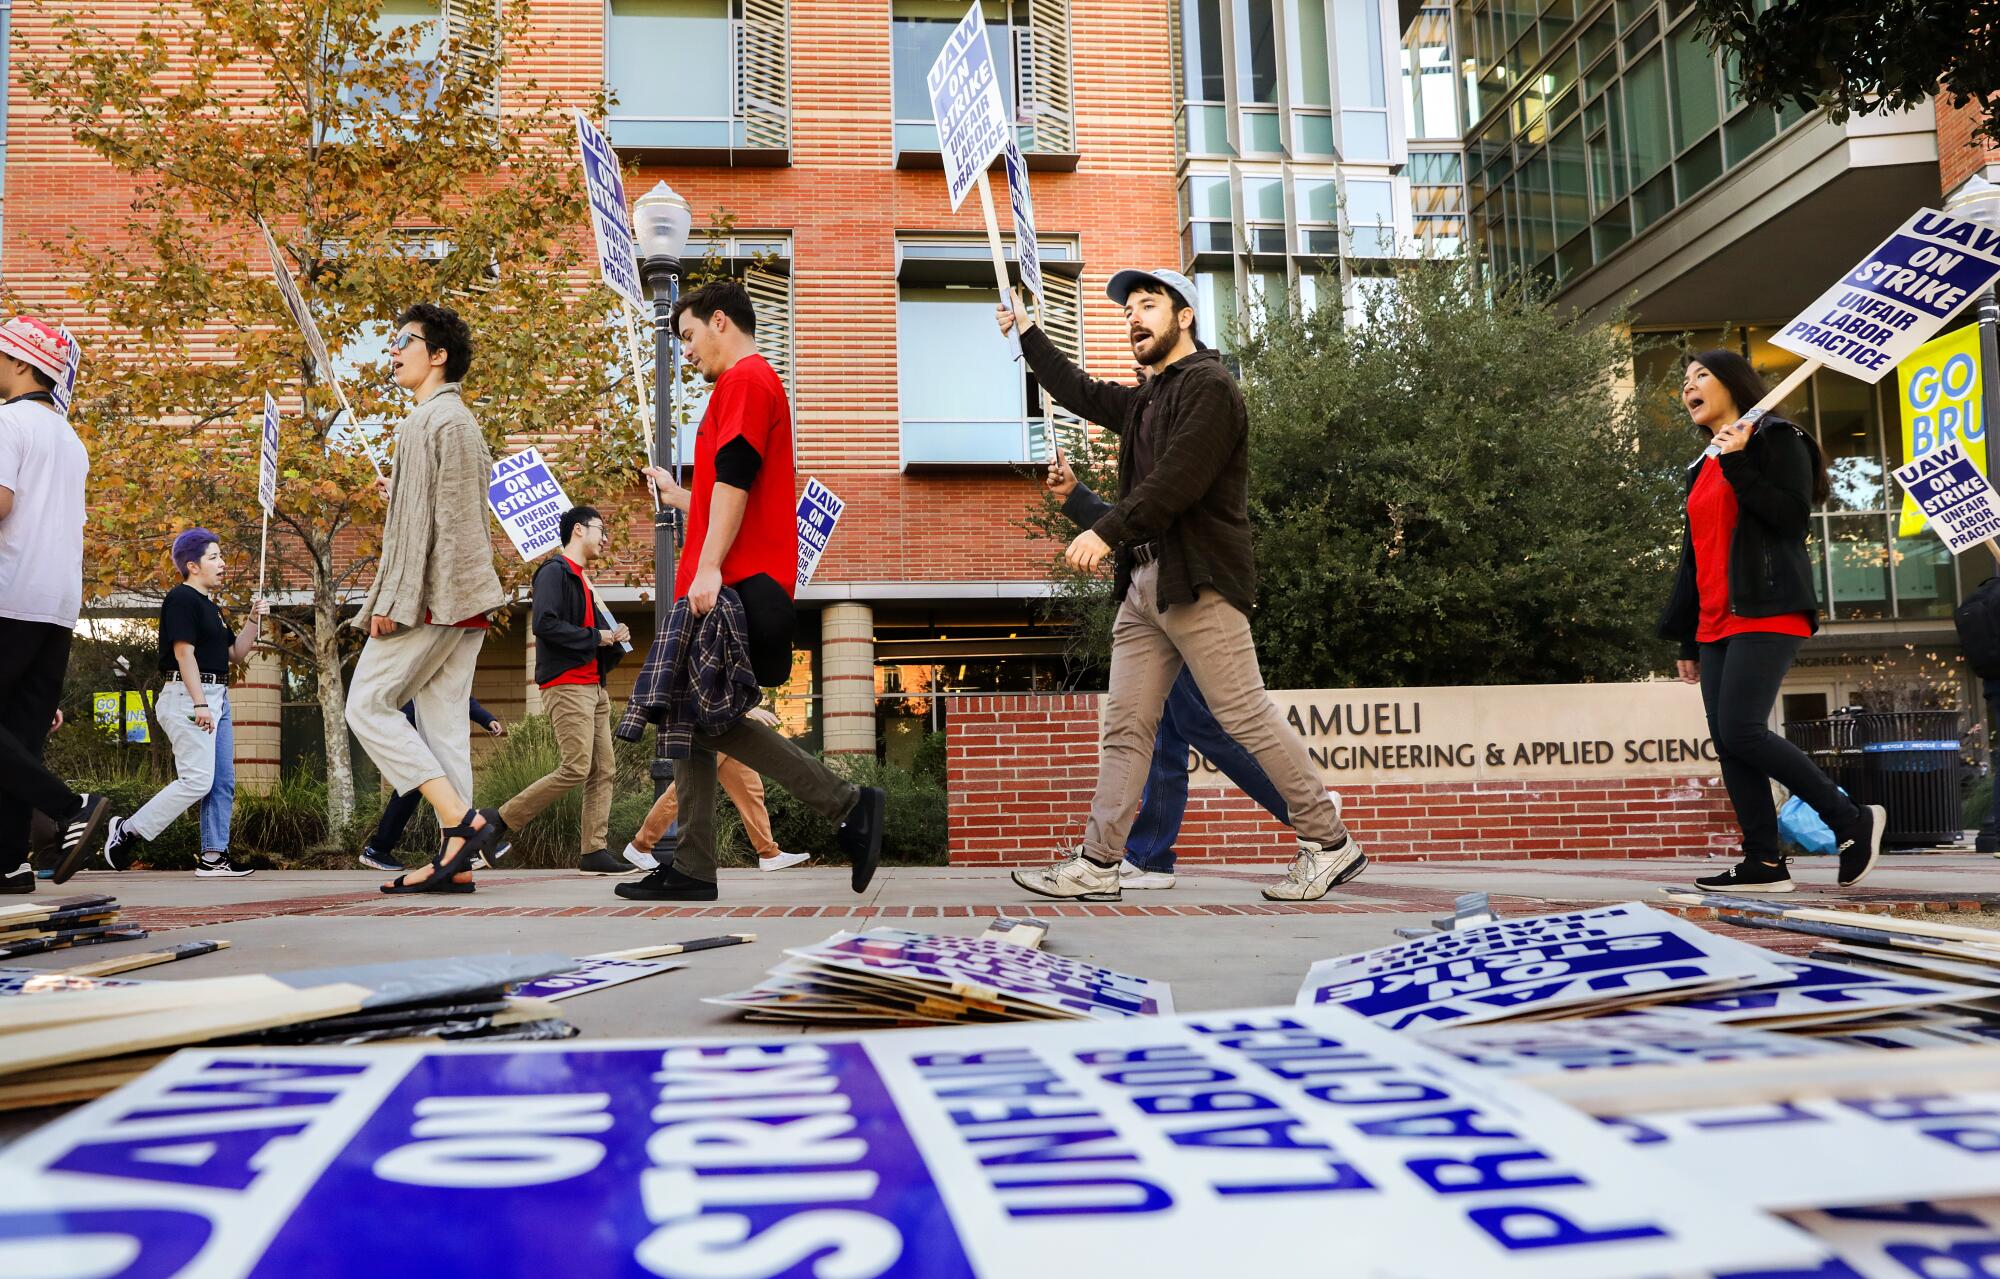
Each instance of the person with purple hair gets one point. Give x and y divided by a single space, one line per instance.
196 652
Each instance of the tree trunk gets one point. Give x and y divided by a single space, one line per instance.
332 699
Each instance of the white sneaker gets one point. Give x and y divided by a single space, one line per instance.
1130 876
1334 796
644 861
1075 877
1315 870
782 860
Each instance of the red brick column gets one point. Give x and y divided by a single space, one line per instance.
1021 769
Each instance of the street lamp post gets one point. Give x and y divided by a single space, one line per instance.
662 219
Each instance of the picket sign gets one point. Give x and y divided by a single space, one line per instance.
316 345
528 500
1891 303
1292 1142
973 127
617 257
267 482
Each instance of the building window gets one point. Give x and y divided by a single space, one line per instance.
1437 202
1364 99
1204 83
1318 206
1208 215
1030 43
416 25
762 260
1371 217
699 75
962 397
1430 93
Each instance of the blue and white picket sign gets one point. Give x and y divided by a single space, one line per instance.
1291 1143
267 458
610 219
993 971
1533 967
1953 495
819 513
1897 297
971 117
34 981
593 974
1027 250
1834 1152
1923 1240
1646 1038
1815 990
65 392
528 501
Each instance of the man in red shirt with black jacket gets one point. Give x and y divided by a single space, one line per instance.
576 645
742 536
1185 581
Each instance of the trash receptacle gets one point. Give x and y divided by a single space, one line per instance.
1910 765
1834 745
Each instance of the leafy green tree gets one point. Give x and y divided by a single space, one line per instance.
1860 55
1456 485
381 157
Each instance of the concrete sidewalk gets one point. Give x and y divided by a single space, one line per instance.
1212 936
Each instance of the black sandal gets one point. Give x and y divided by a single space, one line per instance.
473 841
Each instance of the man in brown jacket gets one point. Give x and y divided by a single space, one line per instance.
426 612
1185 581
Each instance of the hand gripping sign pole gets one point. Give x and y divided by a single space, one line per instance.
315 345
617 256
972 127
1890 304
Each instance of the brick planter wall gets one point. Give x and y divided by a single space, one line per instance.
1021 769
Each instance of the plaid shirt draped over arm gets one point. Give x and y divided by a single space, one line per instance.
697 677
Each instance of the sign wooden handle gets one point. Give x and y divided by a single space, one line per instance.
999 253
1793 381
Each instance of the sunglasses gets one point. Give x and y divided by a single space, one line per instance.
402 340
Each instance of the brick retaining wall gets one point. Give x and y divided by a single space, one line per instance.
1021 769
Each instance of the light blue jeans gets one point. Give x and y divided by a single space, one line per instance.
204 768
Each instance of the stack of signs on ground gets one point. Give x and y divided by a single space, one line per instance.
1929 982
905 978
67 1045
1292 1142
32 928
1551 966
1616 1041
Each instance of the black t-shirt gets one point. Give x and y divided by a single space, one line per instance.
189 617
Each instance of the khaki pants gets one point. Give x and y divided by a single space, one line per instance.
744 788
581 717
431 666
1211 637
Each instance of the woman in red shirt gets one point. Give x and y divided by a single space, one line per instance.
1743 603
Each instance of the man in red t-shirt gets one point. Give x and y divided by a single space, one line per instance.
576 645
743 536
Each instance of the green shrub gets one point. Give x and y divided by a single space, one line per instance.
288 822
916 833
1978 802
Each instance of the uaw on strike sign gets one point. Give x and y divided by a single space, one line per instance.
1277 1142
1897 297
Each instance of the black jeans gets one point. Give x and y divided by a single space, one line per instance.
34 657
1739 685
396 815
1991 688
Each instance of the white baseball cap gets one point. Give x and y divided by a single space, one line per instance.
1121 285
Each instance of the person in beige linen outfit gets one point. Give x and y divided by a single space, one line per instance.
425 612
576 645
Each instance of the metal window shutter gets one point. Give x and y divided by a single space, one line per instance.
472 45
771 298
1045 92
763 82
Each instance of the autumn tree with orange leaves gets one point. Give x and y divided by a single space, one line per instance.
390 171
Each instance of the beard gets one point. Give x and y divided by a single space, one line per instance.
1154 348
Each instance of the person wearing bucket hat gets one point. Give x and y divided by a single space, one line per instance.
196 652
1185 581
43 472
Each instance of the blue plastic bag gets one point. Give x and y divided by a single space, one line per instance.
1800 828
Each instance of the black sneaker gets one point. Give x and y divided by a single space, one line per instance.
604 862
120 844
19 880
1860 844
218 866
668 885
79 834
387 863
1751 875
861 835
